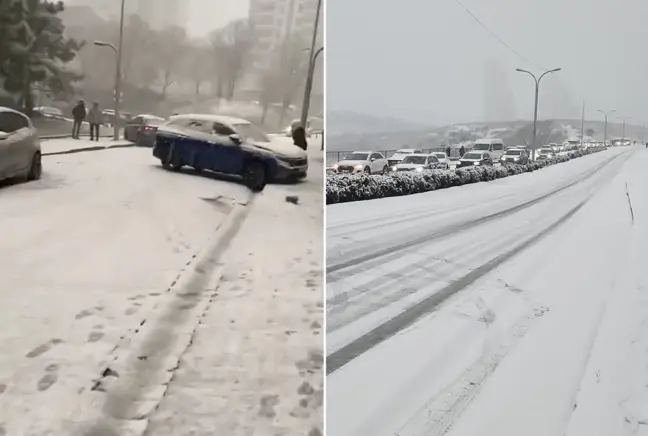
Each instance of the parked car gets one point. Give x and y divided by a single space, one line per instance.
228 145
49 112
475 158
417 162
20 149
142 128
515 156
444 160
370 162
397 157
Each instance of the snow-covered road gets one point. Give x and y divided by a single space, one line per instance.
91 252
479 310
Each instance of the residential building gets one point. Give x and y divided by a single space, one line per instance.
276 20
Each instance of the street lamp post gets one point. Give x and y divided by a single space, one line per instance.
118 75
311 67
606 113
535 110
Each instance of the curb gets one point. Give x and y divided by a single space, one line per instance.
131 386
85 149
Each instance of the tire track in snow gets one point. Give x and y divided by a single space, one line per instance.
354 349
388 254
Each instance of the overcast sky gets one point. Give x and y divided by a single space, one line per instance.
207 15
429 61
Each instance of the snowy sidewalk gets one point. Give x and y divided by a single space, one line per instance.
69 145
255 363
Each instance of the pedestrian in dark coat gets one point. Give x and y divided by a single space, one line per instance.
448 150
462 151
299 135
78 114
95 118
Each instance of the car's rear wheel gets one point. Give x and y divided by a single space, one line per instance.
176 161
35 168
255 176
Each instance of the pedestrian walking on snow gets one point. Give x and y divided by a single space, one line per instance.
462 151
448 150
299 135
95 118
78 114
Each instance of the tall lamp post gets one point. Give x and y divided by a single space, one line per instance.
606 113
535 110
311 67
118 75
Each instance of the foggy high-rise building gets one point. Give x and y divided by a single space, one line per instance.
499 101
276 20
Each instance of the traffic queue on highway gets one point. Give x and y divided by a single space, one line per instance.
482 152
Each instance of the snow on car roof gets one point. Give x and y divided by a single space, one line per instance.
224 119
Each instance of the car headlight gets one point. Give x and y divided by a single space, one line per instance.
475 163
419 169
335 167
393 168
358 167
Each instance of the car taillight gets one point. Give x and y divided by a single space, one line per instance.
148 129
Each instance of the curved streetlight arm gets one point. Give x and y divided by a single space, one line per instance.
106 44
555 70
520 70
317 53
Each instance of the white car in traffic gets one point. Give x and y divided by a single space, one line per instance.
369 162
417 162
444 160
398 157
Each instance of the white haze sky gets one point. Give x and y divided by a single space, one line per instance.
207 15
425 60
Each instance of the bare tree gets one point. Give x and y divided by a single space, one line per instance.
232 46
200 66
139 53
291 68
170 56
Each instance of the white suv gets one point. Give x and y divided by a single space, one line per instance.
370 162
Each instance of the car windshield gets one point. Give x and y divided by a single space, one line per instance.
251 133
481 147
513 153
472 156
419 160
357 156
440 155
544 151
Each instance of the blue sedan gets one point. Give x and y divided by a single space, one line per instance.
200 142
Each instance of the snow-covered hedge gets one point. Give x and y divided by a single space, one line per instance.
342 188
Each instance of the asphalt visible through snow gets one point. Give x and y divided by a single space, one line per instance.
429 296
93 252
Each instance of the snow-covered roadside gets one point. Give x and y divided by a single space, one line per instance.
86 253
613 397
509 352
255 363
